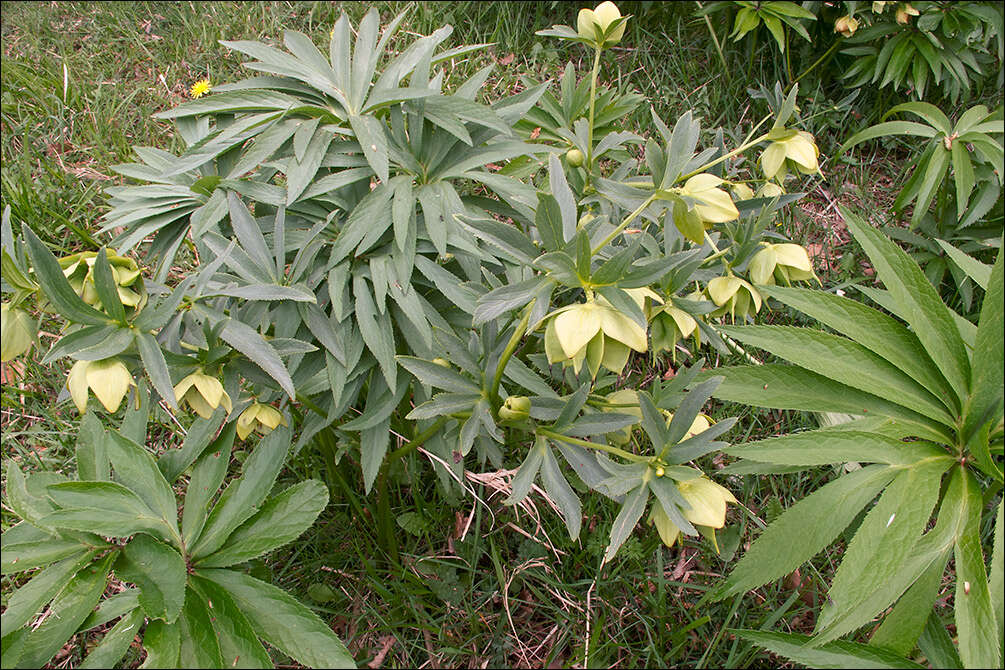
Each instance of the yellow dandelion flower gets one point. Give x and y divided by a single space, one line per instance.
200 88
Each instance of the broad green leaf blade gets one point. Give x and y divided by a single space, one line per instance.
376 330
976 624
806 528
373 141
559 490
136 468
885 129
973 268
28 600
880 548
92 450
523 480
829 446
903 626
280 520
937 646
438 376
200 647
239 644
156 367
790 387
843 361
111 608
986 400
872 329
67 611
115 643
105 508
250 342
57 289
929 317
175 461
282 621
159 572
207 476
25 547
625 522
838 654
259 474
996 580
162 642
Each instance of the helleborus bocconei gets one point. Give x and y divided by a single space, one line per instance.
79 271
735 296
671 324
109 379
17 332
790 148
595 333
574 157
593 24
846 25
784 263
259 417
202 393
707 502
713 204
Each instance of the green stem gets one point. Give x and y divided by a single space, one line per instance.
414 443
727 156
715 40
385 523
827 54
788 54
507 353
627 455
624 224
593 104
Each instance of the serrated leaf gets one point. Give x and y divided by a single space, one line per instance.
28 600
437 375
239 645
115 642
249 490
627 519
68 610
25 547
839 654
806 528
207 476
280 520
282 621
558 489
159 571
199 645
828 446
880 548
136 468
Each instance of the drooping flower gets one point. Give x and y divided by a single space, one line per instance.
79 272
17 332
259 417
735 296
202 393
794 148
846 25
592 332
109 379
713 204
785 262
707 501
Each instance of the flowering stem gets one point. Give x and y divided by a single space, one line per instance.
593 104
586 444
734 152
507 353
624 224
415 442
827 54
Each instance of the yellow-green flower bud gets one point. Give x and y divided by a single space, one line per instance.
904 13
17 332
515 408
574 157
259 417
202 393
846 26
593 23
109 379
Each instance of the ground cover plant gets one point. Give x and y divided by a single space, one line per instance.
392 265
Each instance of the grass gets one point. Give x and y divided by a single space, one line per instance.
479 584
